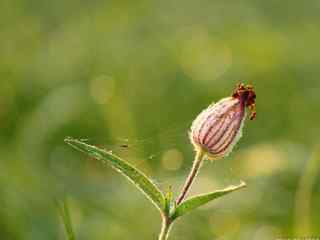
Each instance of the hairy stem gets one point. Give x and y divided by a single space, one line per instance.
166 224
166 220
193 173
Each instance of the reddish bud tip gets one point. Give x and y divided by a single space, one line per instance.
247 95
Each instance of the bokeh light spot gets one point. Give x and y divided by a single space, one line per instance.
263 160
204 58
266 232
172 159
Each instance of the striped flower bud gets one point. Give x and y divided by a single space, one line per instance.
217 129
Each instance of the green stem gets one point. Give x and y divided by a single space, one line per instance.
192 175
166 220
165 229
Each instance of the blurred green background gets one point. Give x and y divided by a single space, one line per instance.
137 73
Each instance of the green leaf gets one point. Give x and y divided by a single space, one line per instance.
140 180
197 201
64 212
169 200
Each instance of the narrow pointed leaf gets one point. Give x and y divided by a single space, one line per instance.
140 180
197 201
65 215
169 200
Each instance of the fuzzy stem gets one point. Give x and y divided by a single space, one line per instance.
193 173
166 224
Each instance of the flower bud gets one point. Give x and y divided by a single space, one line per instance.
217 129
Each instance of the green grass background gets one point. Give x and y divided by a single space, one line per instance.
142 70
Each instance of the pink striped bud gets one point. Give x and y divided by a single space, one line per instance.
218 128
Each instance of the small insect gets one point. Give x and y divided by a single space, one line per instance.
124 143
